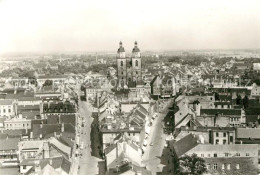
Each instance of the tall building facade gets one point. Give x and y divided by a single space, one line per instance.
129 69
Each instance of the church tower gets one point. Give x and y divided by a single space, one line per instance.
121 64
136 63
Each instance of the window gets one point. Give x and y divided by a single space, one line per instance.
24 167
238 154
224 141
136 73
208 166
231 138
215 155
247 154
215 166
202 155
228 166
226 154
217 141
237 166
216 134
4 110
136 63
122 63
9 110
224 134
208 155
223 166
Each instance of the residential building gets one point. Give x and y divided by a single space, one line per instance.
219 159
17 122
7 108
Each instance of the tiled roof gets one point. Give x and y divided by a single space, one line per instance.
31 114
109 148
185 144
241 148
213 112
22 108
6 102
15 133
55 162
52 76
31 144
253 133
9 144
253 111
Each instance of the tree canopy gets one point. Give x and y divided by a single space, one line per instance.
191 165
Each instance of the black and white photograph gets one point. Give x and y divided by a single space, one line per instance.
129 87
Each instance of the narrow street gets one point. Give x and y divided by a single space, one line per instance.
88 164
151 157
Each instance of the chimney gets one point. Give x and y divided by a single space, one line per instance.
37 166
50 161
40 125
31 135
55 134
20 116
62 127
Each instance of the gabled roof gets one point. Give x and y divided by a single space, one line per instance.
253 133
47 130
55 162
31 114
6 102
213 112
9 144
185 144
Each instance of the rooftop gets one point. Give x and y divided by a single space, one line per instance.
212 112
6 102
9 144
185 144
248 133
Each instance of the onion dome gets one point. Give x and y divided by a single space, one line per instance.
136 49
121 48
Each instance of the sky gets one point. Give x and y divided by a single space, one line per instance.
99 25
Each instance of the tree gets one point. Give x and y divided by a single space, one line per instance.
245 102
217 98
238 100
191 165
47 83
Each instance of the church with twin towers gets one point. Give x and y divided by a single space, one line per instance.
129 69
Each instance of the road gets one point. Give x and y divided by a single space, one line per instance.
151 157
88 164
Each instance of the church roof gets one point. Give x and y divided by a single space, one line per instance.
136 49
121 49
